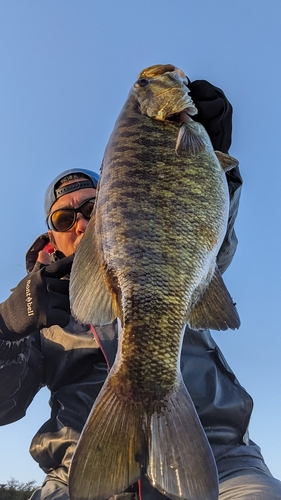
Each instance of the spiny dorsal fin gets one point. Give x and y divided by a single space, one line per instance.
215 309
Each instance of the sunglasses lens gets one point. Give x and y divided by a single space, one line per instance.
62 220
87 209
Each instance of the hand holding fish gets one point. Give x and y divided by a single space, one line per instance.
214 113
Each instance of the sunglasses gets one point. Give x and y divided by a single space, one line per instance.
64 219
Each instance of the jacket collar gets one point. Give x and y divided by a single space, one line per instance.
41 243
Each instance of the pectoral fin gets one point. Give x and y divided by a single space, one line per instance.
227 162
215 309
91 301
188 141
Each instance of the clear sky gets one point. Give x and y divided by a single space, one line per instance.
66 67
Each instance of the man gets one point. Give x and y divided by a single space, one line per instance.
41 344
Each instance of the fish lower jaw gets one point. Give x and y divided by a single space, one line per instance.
183 116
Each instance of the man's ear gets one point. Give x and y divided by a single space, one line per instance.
52 239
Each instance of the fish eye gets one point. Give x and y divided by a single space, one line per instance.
142 82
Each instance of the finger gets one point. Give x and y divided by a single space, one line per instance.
201 90
60 268
58 286
210 110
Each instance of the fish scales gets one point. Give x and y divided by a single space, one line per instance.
158 223
169 196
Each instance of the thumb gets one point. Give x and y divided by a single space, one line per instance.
44 258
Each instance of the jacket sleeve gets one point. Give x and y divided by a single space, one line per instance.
21 376
229 245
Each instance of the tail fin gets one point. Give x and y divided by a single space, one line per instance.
112 451
181 463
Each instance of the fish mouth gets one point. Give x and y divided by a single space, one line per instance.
180 112
181 117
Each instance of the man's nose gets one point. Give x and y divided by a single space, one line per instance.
81 224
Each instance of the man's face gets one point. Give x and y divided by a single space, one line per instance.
68 241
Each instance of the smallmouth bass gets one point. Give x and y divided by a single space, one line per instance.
148 257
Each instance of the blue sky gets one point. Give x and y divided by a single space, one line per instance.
66 69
